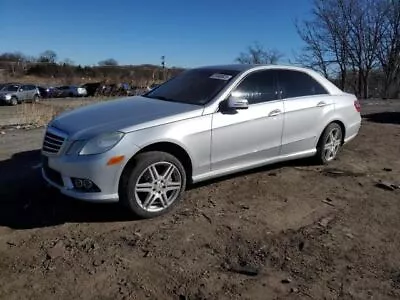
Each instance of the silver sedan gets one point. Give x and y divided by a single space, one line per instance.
206 122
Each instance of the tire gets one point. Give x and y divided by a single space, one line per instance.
13 101
35 99
156 196
329 143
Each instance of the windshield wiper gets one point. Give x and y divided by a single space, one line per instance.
161 98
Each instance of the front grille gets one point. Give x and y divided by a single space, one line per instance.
52 143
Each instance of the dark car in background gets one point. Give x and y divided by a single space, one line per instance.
92 88
72 91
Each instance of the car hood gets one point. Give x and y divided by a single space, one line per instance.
126 115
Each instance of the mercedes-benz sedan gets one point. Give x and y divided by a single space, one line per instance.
206 122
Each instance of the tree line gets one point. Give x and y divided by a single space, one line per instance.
46 65
355 43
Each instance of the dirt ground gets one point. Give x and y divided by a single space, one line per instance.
288 231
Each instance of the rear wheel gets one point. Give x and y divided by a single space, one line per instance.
329 143
153 185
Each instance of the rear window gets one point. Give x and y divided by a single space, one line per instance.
299 84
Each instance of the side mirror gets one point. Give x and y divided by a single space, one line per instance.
237 103
20 90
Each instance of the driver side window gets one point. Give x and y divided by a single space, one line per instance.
257 87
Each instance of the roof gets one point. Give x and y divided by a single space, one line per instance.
246 67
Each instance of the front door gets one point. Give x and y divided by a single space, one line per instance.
244 137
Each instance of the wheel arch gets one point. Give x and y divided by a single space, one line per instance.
337 121
164 146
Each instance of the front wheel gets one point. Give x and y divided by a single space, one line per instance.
153 185
35 99
14 101
329 143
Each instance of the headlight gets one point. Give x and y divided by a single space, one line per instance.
99 144
7 97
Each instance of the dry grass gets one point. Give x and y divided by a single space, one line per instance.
40 114
36 114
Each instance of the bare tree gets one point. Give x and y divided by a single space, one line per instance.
48 56
256 54
68 62
108 62
344 36
389 50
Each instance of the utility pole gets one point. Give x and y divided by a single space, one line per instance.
163 66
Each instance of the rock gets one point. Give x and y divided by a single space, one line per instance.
244 206
98 262
206 217
245 270
57 251
324 222
387 186
294 290
387 169
2 132
302 244
328 201
286 281
334 172
138 235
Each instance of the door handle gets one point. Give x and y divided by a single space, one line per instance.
321 104
274 113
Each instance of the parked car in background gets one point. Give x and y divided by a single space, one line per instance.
49 92
153 86
92 88
71 91
12 94
204 123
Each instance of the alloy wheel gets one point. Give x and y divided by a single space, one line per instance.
158 186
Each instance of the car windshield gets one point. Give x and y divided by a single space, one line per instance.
196 86
2 86
11 88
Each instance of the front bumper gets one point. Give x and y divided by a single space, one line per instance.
59 172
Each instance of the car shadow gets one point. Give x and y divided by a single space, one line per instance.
26 201
384 117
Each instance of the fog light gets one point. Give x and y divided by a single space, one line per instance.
84 185
87 184
78 183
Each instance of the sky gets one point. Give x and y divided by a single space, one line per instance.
189 33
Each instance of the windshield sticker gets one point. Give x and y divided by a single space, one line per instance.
220 76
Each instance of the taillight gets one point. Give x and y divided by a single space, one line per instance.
357 105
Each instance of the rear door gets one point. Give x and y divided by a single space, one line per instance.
307 105
23 93
31 92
